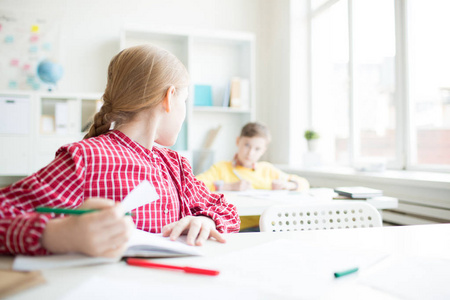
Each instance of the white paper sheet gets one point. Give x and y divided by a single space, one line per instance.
290 268
272 195
259 193
32 263
413 278
142 194
115 289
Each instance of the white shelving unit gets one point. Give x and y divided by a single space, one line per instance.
212 58
34 125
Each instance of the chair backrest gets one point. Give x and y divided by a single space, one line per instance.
335 214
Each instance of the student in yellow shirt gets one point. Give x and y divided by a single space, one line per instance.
246 172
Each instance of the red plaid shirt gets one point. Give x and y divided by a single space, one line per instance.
107 166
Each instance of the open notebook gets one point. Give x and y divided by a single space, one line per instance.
141 244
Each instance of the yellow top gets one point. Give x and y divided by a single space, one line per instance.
260 178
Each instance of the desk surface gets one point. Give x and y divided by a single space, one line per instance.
262 281
254 203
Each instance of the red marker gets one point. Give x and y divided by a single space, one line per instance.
148 264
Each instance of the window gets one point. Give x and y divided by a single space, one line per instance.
329 77
429 82
371 101
373 79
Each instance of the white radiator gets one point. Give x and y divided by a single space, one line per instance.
413 213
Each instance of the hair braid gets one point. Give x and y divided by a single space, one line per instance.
102 121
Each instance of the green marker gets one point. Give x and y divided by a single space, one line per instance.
67 211
346 272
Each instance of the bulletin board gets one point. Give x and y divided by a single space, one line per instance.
24 42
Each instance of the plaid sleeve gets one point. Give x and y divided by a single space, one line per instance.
59 184
204 203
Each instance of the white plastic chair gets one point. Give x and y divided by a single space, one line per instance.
321 215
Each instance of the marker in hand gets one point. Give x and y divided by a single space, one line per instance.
69 211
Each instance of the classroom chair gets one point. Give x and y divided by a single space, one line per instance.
321 215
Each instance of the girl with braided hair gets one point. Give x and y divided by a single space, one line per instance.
144 105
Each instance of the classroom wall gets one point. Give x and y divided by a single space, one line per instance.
90 37
276 105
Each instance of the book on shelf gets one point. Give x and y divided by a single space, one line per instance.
239 93
202 95
47 124
245 93
226 95
235 92
61 117
358 192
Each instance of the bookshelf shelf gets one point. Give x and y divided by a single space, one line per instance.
212 59
51 120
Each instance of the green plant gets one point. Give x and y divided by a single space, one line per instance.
311 135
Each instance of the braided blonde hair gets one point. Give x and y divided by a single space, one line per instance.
138 79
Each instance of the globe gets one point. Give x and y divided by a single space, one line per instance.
49 72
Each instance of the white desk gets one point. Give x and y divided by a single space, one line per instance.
398 242
253 203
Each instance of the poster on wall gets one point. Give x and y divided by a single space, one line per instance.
28 44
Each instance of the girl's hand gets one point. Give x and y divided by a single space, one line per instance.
279 184
283 185
198 230
103 233
241 185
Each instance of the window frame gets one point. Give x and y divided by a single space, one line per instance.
405 138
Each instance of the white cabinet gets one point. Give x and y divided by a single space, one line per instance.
16 129
213 59
34 125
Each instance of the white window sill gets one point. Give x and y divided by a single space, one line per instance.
409 178
423 197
